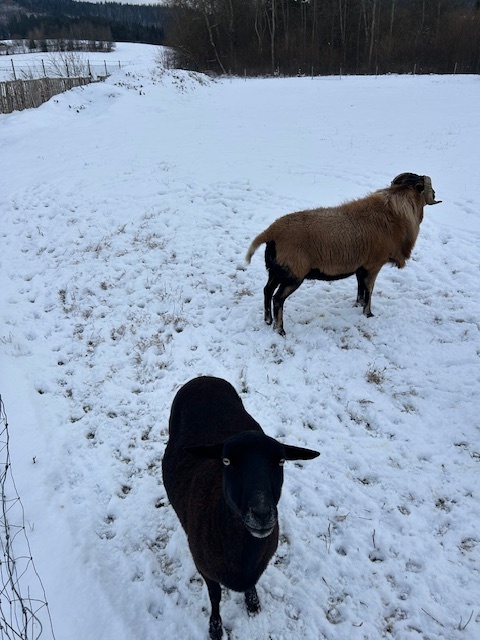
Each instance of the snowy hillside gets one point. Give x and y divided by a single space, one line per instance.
127 208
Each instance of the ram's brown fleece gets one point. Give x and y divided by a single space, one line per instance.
354 238
367 232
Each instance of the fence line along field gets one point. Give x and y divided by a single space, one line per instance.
17 95
31 84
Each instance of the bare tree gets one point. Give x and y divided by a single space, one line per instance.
392 16
210 29
357 35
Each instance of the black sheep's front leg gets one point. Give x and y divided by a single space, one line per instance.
252 602
215 592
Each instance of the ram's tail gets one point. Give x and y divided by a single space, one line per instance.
260 239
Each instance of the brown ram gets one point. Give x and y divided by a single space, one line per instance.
355 238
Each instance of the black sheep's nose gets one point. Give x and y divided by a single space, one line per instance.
260 520
262 513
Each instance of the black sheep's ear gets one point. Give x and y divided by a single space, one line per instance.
209 451
299 453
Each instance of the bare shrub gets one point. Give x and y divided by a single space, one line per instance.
67 64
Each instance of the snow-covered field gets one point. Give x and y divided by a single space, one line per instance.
126 210
36 65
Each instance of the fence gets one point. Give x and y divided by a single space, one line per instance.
32 85
65 65
24 612
16 95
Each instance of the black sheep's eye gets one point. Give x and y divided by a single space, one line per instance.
281 462
226 461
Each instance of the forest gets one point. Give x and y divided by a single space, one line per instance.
327 36
280 37
69 20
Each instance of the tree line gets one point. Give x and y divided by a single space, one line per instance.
271 36
70 20
327 36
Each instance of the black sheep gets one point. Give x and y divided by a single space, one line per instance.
223 476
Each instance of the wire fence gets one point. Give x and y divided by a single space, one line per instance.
24 612
29 86
64 66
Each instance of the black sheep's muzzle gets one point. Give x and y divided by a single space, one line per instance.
260 519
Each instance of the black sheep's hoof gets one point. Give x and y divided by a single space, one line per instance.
252 602
215 630
268 319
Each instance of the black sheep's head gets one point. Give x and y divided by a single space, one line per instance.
253 476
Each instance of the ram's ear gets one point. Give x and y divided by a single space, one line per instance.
208 451
299 453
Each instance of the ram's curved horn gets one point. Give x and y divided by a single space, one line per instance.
407 178
428 192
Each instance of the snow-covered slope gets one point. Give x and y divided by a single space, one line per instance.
126 209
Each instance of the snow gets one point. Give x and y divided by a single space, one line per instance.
35 65
127 208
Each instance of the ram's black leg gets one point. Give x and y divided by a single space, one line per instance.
284 290
369 280
361 288
272 284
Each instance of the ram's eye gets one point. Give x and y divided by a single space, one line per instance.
281 462
226 461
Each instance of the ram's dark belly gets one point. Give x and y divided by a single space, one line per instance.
316 274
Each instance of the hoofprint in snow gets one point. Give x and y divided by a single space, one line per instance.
126 209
